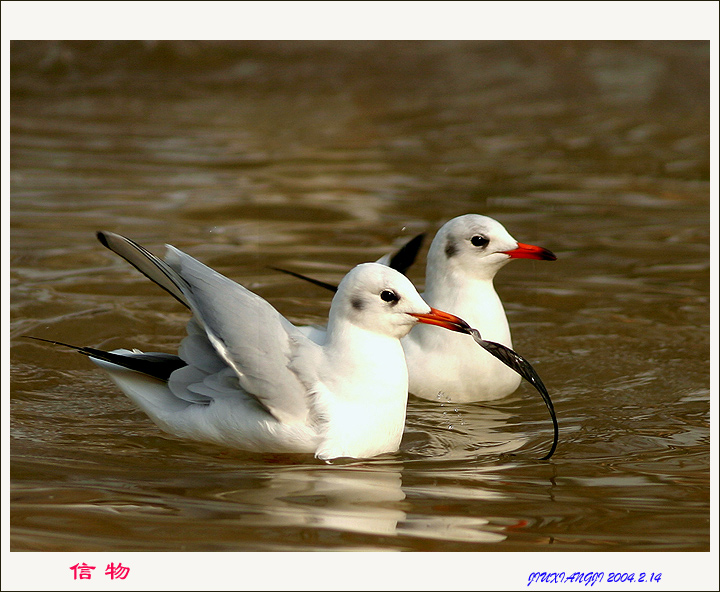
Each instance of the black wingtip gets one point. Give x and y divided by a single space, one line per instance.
405 257
51 341
155 365
300 276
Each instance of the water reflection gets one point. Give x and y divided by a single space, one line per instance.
358 498
451 431
354 499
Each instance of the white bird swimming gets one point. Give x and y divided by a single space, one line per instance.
463 259
245 377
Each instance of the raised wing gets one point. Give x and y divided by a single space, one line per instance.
250 336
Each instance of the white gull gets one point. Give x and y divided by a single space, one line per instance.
247 378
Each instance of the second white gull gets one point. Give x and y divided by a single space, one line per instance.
463 259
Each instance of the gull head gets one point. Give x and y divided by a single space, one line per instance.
477 246
379 299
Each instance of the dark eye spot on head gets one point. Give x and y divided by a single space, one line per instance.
450 248
389 296
479 241
357 303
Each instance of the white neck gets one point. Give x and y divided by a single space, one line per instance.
475 301
365 398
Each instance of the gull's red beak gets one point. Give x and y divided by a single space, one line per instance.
524 251
443 319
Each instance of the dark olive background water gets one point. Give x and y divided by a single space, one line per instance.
320 155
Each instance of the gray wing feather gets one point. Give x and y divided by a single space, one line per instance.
234 324
251 337
146 263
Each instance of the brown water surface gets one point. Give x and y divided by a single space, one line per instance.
318 156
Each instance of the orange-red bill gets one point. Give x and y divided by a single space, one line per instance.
524 251
443 319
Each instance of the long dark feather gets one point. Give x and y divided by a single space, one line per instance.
300 276
400 261
524 369
157 365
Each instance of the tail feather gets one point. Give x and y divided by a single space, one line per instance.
157 365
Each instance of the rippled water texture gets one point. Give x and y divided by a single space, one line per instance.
318 156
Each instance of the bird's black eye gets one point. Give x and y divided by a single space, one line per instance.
389 296
479 241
